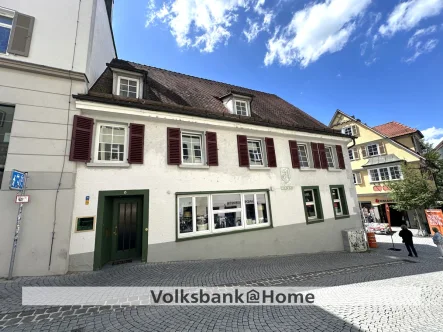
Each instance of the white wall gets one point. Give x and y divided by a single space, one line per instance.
55 30
164 181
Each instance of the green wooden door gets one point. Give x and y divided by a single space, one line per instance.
127 228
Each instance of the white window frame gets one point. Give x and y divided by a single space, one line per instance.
97 141
245 103
314 203
129 79
354 177
379 174
378 150
211 214
202 147
307 155
331 149
9 14
263 151
337 200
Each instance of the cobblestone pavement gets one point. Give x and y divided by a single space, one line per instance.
378 268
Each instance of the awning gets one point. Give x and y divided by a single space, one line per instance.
381 160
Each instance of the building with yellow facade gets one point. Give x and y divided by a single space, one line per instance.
376 155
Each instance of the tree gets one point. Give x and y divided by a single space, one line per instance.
415 192
434 164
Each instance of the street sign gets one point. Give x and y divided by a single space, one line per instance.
17 180
22 199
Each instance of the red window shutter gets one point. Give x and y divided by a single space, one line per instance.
341 160
293 149
136 143
211 148
270 152
174 146
322 153
243 154
315 155
81 140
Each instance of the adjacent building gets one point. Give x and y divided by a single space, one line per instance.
439 148
376 155
175 167
49 50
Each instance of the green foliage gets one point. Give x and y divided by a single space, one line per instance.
434 164
415 191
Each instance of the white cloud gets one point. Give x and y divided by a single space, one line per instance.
363 47
317 29
407 15
421 33
371 61
374 18
199 23
422 48
433 135
258 25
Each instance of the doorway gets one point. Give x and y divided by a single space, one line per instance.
122 226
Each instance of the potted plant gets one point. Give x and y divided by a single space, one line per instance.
202 223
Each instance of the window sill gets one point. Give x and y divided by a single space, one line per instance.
335 169
314 221
259 168
117 165
342 217
308 169
194 166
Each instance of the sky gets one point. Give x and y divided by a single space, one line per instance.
380 60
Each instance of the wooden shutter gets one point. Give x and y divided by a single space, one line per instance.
174 146
136 143
211 148
270 152
293 150
356 154
364 152
341 160
322 153
81 140
21 34
355 130
382 148
315 155
243 154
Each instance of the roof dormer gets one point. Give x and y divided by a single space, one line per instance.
127 84
238 104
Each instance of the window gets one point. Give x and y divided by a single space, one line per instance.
339 203
192 148
255 150
329 156
351 154
241 108
5 31
6 118
347 131
111 143
312 202
303 155
351 130
385 174
373 150
128 87
220 213
357 178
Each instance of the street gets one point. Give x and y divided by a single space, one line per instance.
378 268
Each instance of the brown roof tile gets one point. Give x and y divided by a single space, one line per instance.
394 129
179 92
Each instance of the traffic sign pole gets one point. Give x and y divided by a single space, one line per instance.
17 229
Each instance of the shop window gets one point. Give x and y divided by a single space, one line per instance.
339 202
312 204
6 118
219 213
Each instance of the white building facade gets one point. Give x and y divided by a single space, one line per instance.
172 167
49 50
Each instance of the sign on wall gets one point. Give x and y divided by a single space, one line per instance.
17 181
435 219
285 177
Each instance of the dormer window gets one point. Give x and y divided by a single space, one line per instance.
128 87
241 108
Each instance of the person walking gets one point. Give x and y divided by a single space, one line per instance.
406 235
438 240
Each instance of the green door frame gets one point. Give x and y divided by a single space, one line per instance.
99 231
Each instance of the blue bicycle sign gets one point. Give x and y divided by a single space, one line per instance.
17 180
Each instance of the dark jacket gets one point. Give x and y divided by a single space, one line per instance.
406 235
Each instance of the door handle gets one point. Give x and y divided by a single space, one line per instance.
115 231
146 229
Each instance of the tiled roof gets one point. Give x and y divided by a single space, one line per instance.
394 129
380 160
169 91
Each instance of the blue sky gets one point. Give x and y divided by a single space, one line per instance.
380 60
